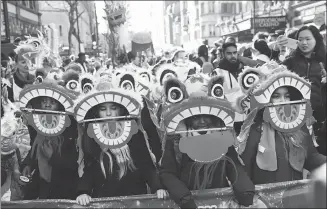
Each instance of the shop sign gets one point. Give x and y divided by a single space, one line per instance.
270 22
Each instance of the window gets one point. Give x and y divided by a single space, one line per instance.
212 31
240 7
202 8
197 13
32 4
224 8
203 28
24 3
211 7
186 21
184 4
60 30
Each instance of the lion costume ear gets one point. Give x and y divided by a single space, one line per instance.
174 90
216 87
249 78
87 82
127 80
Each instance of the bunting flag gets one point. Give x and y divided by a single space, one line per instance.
293 194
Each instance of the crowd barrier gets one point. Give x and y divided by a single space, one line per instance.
293 194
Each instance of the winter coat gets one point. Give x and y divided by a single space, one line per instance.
94 183
64 175
310 69
178 178
285 171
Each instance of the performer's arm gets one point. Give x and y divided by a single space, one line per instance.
85 183
314 158
142 159
169 177
250 152
243 187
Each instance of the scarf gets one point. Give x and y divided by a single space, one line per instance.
266 155
43 161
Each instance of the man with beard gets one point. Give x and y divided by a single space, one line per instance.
230 67
230 62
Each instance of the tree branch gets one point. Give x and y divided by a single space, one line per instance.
78 16
57 9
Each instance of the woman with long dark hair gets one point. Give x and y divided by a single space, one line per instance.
117 158
307 61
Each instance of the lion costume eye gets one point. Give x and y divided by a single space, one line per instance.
217 91
87 88
127 85
39 79
72 85
249 79
175 95
145 77
36 44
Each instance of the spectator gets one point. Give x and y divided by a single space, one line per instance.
247 53
306 61
230 61
203 55
230 40
133 59
279 32
260 35
213 54
262 53
82 61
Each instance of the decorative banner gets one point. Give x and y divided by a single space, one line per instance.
293 194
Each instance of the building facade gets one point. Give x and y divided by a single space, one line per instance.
19 19
56 12
269 16
189 23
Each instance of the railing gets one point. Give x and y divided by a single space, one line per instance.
292 194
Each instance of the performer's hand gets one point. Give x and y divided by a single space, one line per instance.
162 194
47 149
323 80
83 199
27 171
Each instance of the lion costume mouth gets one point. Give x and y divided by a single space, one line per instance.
112 133
287 118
